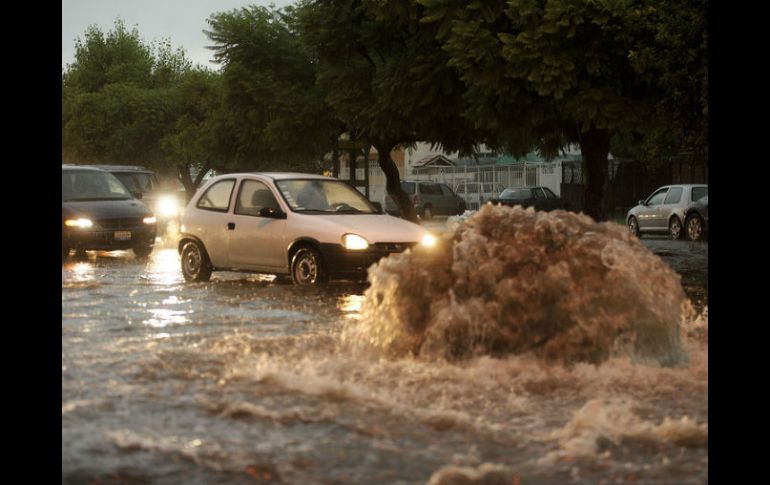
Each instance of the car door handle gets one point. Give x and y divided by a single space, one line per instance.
230 226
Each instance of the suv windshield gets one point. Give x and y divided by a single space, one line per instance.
91 185
326 196
137 181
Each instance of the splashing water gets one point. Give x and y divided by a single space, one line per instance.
509 280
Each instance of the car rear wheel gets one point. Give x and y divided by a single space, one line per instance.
142 251
195 262
633 226
675 228
307 267
694 227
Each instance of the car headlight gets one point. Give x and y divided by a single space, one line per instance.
167 206
428 240
150 220
82 223
354 242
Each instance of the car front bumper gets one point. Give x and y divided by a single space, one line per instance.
341 262
109 239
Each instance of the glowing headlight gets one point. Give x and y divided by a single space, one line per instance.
150 220
354 241
428 240
82 223
167 206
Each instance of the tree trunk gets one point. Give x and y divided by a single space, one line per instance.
595 147
190 185
393 180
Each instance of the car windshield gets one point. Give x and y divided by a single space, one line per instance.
138 182
91 185
516 193
323 196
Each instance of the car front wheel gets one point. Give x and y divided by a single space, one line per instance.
675 228
633 226
142 251
195 262
694 227
307 268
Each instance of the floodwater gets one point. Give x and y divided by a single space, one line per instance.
438 372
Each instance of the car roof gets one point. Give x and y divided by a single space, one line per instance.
123 168
277 175
66 166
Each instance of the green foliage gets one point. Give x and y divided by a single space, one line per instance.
270 90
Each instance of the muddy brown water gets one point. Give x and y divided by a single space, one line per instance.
243 380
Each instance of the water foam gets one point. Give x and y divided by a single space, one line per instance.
508 280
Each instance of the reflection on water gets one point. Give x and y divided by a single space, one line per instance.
243 379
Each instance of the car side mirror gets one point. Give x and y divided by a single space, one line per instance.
641 202
136 194
272 213
377 206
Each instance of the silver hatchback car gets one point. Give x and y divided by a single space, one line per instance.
666 210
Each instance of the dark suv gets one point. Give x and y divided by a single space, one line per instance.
98 212
143 184
429 199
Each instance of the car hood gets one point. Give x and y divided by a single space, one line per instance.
102 209
376 228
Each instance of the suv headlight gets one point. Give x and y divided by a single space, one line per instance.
354 242
167 206
82 223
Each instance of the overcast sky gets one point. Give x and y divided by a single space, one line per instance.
181 21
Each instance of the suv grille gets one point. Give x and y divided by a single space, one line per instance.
121 223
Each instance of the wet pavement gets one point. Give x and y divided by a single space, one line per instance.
245 380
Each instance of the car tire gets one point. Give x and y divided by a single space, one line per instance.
142 251
633 227
675 229
196 265
307 267
694 227
427 213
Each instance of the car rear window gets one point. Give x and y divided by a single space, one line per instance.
430 189
407 187
699 192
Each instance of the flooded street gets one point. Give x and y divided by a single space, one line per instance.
246 380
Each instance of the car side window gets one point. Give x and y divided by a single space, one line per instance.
446 190
217 197
253 196
538 193
549 194
658 197
674 195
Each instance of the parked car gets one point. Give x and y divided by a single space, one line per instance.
428 199
144 185
99 213
666 210
696 222
476 193
541 198
310 227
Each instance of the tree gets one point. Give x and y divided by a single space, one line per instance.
545 73
278 111
120 98
386 79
